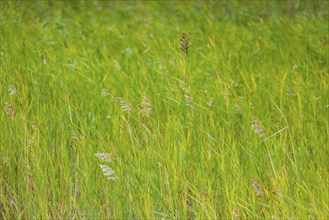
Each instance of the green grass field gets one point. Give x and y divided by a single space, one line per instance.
103 116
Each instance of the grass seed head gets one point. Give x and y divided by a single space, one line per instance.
188 100
108 172
105 157
236 214
76 135
184 43
29 143
34 125
189 206
12 90
257 187
145 107
6 160
210 102
187 97
105 93
258 128
117 65
239 107
226 92
9 109
125 105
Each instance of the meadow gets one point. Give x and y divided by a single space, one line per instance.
172 110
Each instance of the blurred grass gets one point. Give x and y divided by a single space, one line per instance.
264 61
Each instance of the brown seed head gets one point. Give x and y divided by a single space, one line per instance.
184 43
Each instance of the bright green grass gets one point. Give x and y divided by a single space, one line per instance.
258 61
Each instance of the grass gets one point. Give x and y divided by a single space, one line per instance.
98 120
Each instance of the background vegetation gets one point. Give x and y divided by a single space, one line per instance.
102 115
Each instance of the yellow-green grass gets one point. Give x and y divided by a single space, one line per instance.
237 128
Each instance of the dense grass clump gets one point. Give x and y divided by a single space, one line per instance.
164 110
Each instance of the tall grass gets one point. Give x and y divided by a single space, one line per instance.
98 119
